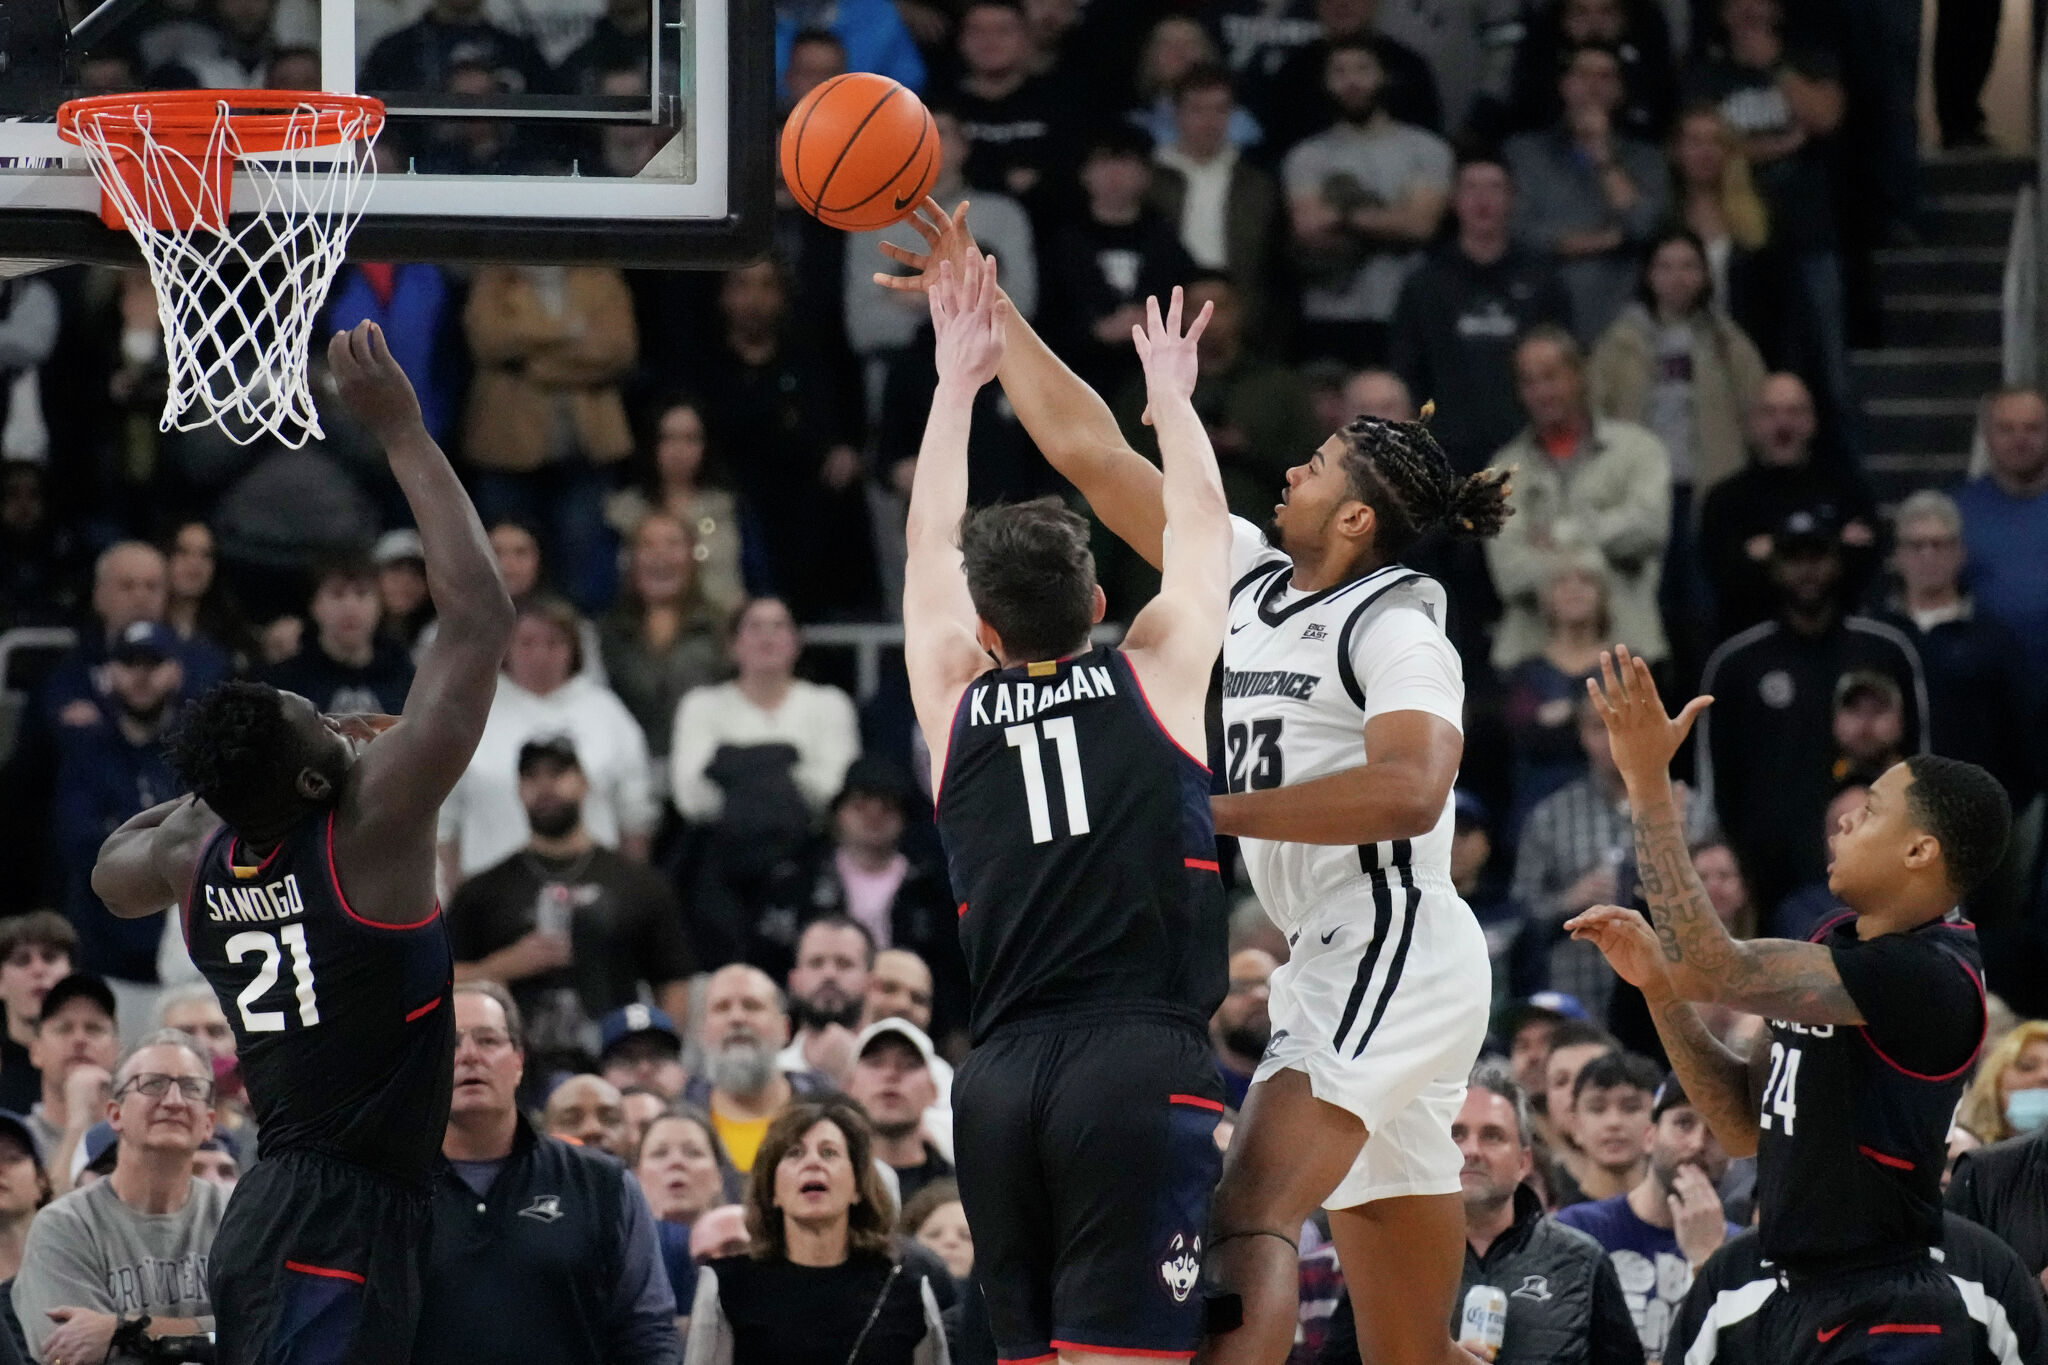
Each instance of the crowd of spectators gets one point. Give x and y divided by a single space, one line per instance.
698 908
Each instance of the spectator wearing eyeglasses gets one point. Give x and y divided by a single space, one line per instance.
113 1268
542 1250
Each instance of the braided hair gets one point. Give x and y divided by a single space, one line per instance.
1398 470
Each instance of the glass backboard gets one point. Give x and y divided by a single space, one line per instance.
630 132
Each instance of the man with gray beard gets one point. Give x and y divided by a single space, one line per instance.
746 1023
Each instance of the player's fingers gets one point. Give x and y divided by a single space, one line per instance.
959 219
1610 684
338 357
904 254
1599 699
1643 682
1201 322
1142 342
1691 713
380 349
1622 676
902 284
1173 311
1154 323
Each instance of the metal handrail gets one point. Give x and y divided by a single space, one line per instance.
32 637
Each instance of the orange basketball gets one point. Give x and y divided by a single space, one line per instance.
860 152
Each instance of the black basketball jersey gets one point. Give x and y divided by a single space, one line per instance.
344 1026
1853 1129
1078 833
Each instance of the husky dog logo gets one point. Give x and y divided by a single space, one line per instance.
1182 1267
1533 1287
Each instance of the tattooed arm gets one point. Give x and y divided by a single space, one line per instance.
1776 978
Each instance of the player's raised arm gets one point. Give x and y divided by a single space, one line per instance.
144 865
1067 420
405 775
1174 640
940 648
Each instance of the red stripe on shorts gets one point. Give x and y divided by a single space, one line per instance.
325 1272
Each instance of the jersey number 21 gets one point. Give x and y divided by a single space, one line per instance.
264 944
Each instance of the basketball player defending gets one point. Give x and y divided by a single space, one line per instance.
304 861
1847 1098
1077 831
1342 706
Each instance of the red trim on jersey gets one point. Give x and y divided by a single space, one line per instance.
334 876
1828 926
1028 1360
1897 1163
963 911
1202 864
1982 1012
1918 1329
1196 1102
1151 711
1122 1351
268 859
325 1272
425 1009
939 782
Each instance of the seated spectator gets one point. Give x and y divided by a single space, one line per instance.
406 608
129 584
546 417
1811 905
1013 119
1764 757
108 773
1636 32
1544 693
1104 261
197 605
1868 724
76 1045
2004 1189
540 1250
2005 520
682 1168
820 1280
870 30
2009 1096
24 1190
112 1270
1304 103
421 56
1784 475
664 637
1673 362
572 928
1608 1153
936 1221
1462 311
640 1047
215 1163
1716 197
517 550
1241 1026
1364 195
1527 1027
1257 412
674 480
348 667
540 696
899 987
1370 393
743 1090
1580 479
1226 210
37 950
1979 694
893 1081
590 1112
194 1010
1665 1226
640 1106
1588 193
1176 51
828 988
1511 1245
1572 850
1574 1043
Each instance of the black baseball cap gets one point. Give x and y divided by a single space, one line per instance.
1670 1095
872 776
1808 529
144 642
557 751
77 985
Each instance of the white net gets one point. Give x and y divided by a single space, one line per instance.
237 296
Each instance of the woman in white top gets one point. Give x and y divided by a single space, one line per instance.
543 693
766 704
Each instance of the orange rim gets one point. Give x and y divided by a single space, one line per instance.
264 120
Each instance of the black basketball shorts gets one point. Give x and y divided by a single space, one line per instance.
1913 1314
1087 1157
317 1262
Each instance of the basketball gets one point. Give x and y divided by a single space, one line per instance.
860 152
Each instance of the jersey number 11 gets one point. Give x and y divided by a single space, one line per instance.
1024 739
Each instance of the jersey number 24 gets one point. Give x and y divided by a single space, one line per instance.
263 944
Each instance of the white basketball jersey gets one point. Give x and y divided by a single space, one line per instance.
1302 674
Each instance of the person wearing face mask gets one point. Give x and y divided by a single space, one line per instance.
2004 1186
2012 1079
541 1249
821 1279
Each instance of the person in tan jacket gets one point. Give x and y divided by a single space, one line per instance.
546 418
1579 479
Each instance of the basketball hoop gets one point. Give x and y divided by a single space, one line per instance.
236 295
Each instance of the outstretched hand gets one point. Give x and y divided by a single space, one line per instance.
1170 356
946 238
1626 940
372 384
967 316
1643 737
